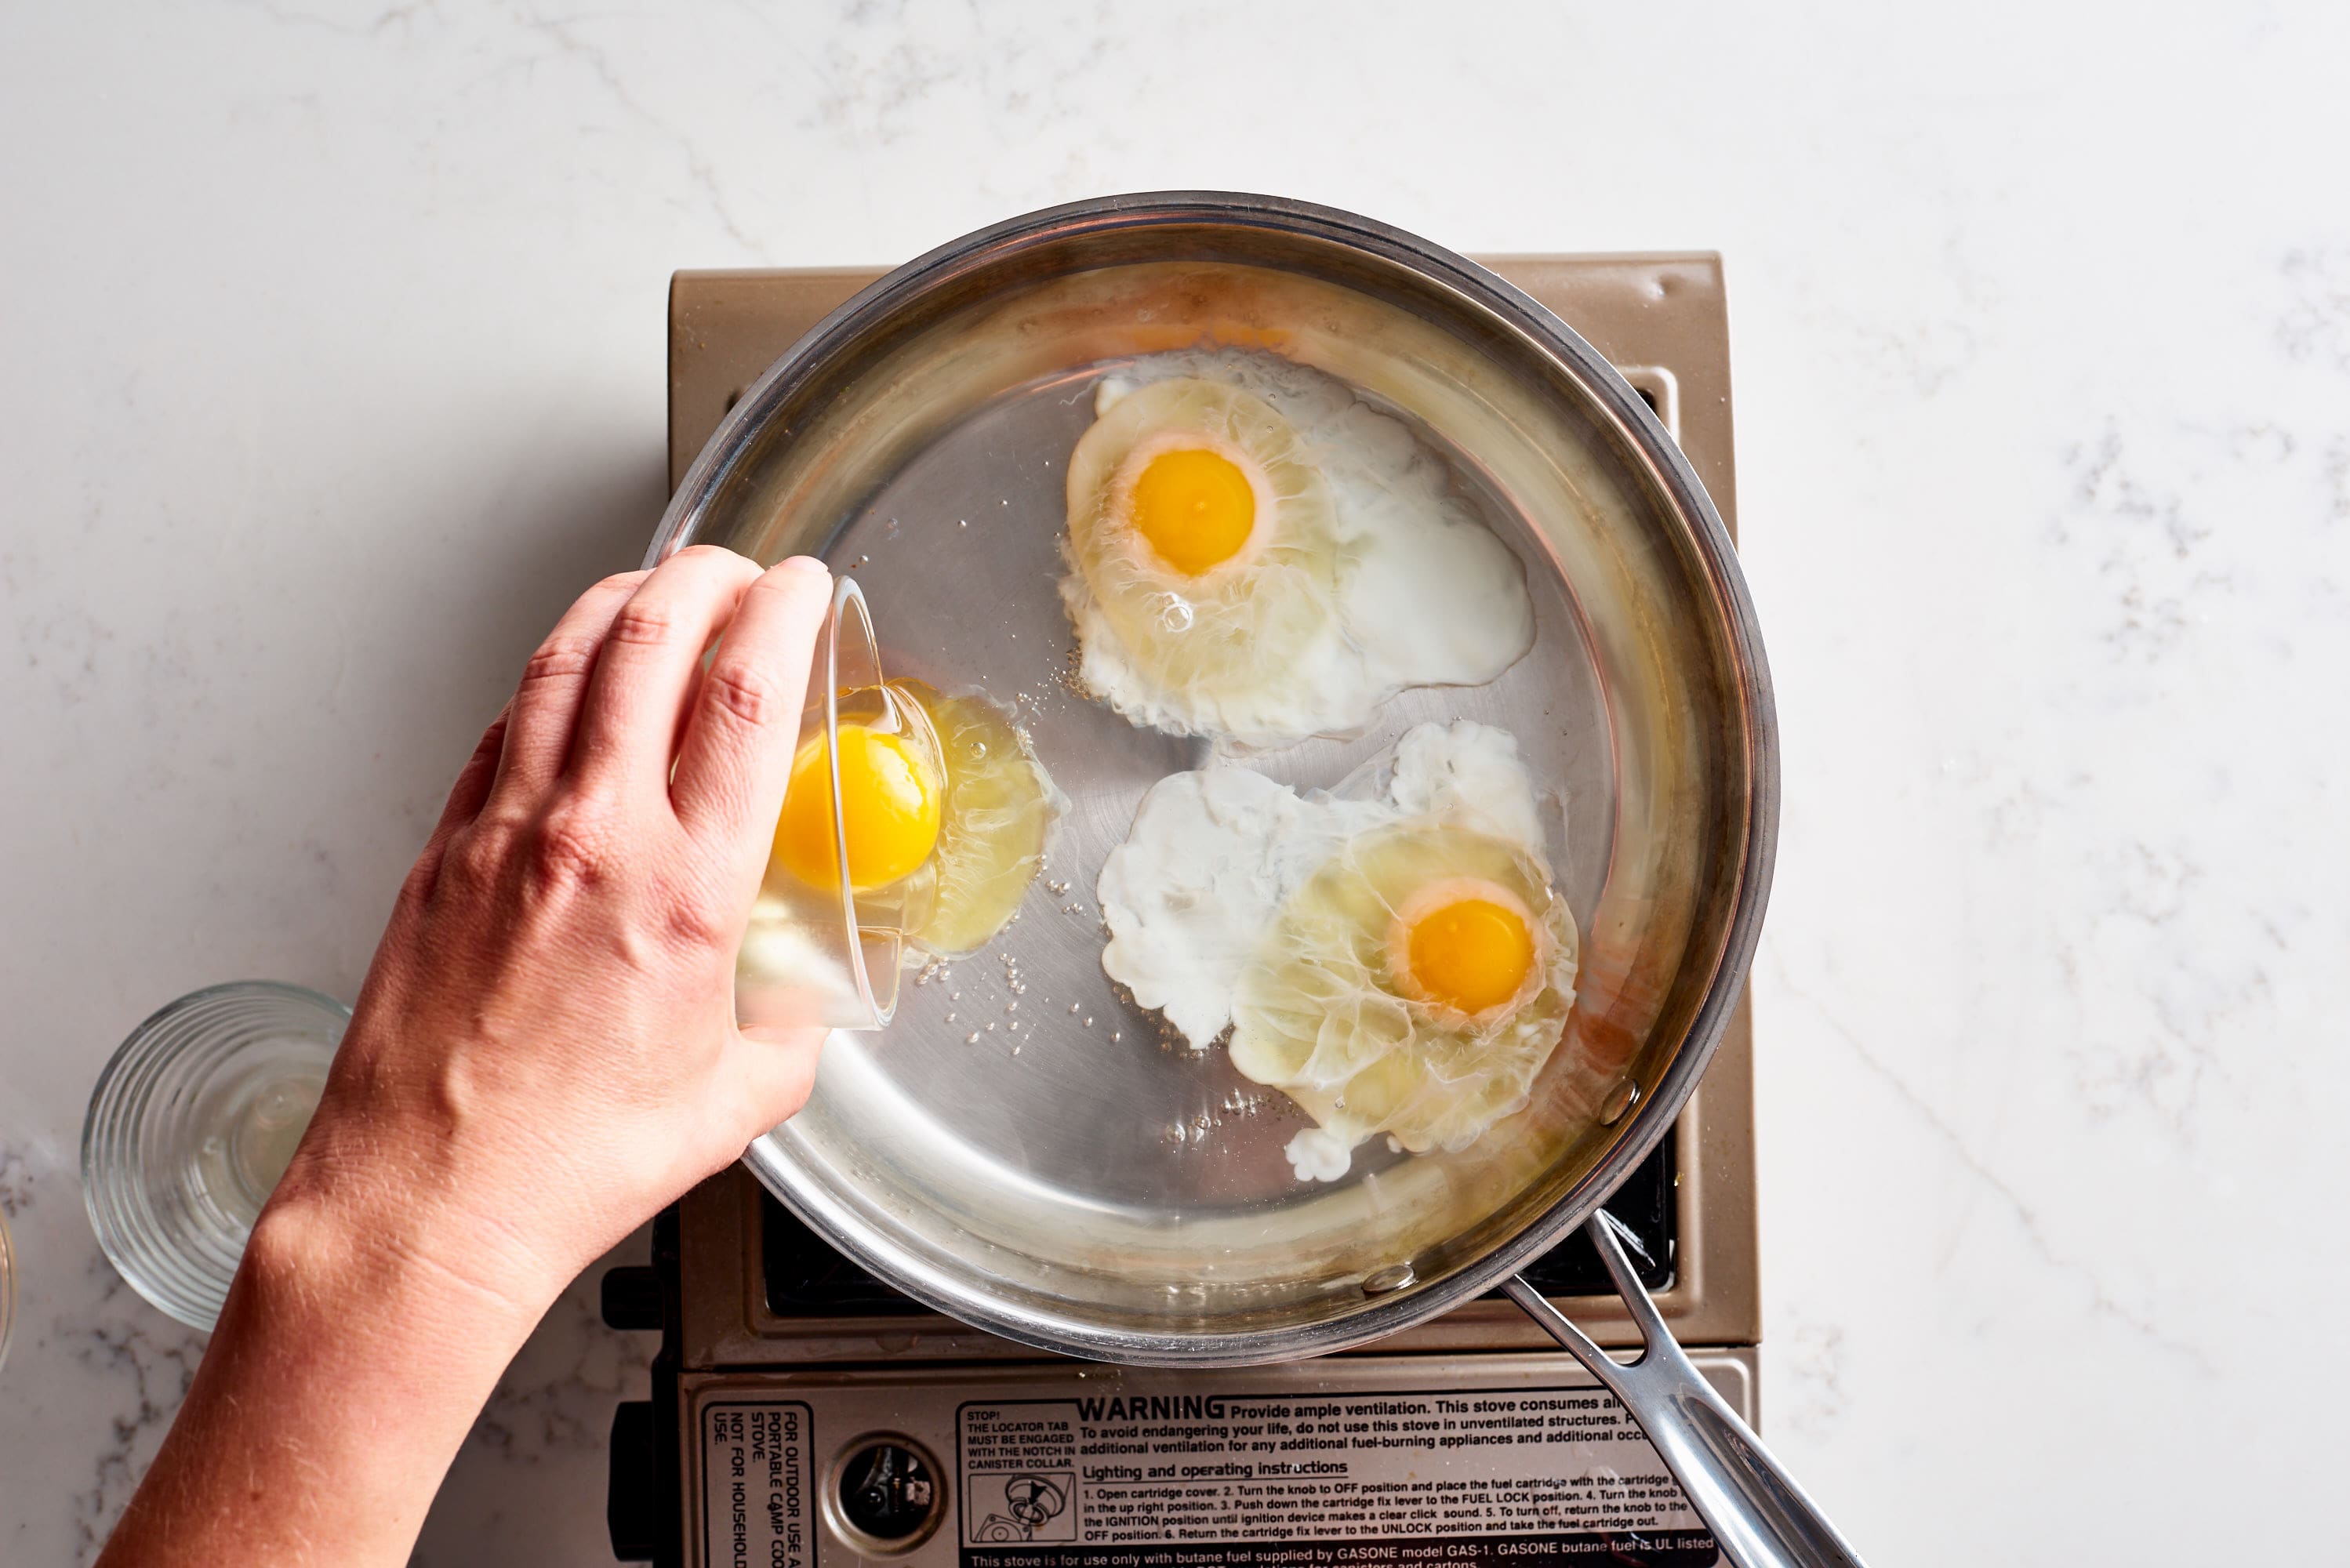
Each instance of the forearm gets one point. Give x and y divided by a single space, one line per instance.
346 1370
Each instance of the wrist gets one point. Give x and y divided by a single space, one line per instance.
404 1270
406 1183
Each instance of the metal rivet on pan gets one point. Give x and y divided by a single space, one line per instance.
1622 1098
1381 1282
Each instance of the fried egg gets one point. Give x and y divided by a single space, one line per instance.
1254 552
944 809
1390 954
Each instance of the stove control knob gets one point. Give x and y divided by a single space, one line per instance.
886 1494
632 1297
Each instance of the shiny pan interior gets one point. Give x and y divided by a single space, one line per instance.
1081 1183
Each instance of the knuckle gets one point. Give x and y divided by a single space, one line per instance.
696 919
643 621
423 878
558 660
472 858
695 923
573 844
743 693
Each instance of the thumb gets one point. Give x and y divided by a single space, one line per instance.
775 1072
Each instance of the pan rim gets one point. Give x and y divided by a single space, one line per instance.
1660 462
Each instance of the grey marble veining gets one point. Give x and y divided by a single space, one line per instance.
333 370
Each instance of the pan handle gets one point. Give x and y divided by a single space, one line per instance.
1759 1517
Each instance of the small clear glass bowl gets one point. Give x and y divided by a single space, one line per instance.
830 957
190 1128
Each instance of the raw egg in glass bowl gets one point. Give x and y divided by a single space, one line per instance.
914 819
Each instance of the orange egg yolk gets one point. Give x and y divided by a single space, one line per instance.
1470 955
1196 508
889 809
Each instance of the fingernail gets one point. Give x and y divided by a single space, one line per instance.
808 563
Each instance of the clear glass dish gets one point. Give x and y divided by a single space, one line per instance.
190 1128
826 952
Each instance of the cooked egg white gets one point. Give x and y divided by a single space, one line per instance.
1254 552
999 806
1392 954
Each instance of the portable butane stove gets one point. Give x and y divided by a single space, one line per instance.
803 1413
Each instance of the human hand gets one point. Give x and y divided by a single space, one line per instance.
544 1050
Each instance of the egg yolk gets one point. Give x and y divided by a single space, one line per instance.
1196 508
1469 955
889 806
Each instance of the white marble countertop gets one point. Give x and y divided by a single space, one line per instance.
331 366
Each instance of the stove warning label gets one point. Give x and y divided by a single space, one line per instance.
1371 1480
758 1485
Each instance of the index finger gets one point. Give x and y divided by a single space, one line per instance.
735 758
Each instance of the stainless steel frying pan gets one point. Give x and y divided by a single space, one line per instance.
1022 1148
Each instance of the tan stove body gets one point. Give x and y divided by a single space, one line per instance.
802 1414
